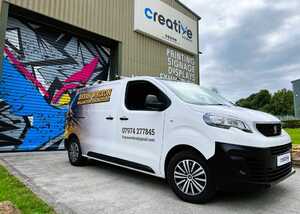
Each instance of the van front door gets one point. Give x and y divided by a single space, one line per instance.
141 125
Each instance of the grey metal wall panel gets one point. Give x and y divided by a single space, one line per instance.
178 6
113 19
3 21
296 89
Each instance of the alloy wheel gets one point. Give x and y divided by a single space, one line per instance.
190 177
74 152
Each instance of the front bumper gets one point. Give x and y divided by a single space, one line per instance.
233 164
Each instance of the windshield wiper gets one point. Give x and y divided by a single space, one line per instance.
215 104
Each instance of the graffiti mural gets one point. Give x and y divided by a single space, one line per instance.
42 68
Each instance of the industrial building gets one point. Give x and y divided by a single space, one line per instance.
296 89
50 48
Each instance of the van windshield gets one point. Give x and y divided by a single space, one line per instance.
194 94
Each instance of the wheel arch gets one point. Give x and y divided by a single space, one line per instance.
175 150
67 140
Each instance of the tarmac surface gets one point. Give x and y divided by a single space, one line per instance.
102 188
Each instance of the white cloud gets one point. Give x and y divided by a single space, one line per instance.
218 15
287 31
248 45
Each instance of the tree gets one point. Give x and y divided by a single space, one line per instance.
280 103
256 101
261 99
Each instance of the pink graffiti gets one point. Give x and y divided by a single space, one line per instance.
63 90
25 72
84 75
81 76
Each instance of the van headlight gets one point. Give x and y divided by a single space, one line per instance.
225 122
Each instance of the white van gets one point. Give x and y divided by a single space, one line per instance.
192 137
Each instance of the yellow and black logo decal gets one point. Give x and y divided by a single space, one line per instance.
99 96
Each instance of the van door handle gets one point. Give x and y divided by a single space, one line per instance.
109 118
123 118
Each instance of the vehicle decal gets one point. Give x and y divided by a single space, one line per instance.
99 96
138 134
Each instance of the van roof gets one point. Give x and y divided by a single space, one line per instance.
120 80
106 83
126 79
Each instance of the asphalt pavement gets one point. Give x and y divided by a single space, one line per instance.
102 188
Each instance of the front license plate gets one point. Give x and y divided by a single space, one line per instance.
283 159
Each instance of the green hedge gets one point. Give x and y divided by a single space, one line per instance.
291 124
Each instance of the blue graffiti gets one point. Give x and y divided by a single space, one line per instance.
26 100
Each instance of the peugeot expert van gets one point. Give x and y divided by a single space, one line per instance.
189 135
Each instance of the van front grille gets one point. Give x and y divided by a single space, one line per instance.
261 174
244 164
261 171
278 150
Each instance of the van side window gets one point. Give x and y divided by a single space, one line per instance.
138 91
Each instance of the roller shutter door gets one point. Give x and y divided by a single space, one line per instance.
42 68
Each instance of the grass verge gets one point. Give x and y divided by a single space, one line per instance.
11 189
295 135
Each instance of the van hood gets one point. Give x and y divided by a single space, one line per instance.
236 112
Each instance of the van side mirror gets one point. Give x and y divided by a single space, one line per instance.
152 103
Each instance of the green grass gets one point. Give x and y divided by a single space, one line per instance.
11 189
295 135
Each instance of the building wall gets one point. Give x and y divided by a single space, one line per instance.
296 89
140 55
3 20
44 63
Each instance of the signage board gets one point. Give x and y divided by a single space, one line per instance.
160 21
180 67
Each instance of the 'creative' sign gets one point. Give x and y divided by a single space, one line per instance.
160 21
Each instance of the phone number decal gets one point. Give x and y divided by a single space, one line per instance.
139 131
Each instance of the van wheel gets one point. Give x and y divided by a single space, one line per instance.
74 153
190 177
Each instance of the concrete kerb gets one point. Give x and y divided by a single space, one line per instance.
296 163
296 155
44 195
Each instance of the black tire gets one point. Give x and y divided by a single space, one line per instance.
75 154
195 174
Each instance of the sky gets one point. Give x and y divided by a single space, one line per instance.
248 45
